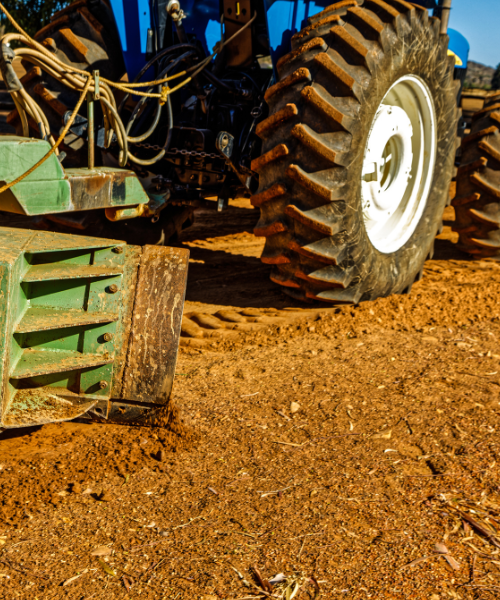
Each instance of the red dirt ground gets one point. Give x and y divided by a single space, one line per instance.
390 448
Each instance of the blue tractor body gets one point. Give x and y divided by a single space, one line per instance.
134 18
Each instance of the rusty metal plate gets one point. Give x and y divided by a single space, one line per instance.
104 187
236 14
156 324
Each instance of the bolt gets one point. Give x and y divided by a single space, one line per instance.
118 250
103 384
224 142
113 288
108 337
173 6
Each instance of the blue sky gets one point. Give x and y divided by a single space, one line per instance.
479 22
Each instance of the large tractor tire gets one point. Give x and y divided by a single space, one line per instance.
84 36
358 152
477 202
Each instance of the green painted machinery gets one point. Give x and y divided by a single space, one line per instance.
87 325
50 189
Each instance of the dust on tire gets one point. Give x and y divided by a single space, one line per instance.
330 86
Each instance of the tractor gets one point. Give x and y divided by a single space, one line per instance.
339 121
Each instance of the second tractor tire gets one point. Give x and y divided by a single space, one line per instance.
477 202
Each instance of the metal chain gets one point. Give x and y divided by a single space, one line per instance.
181 152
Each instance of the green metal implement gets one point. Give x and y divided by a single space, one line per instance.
86 324
51 189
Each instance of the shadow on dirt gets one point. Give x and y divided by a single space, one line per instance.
447 250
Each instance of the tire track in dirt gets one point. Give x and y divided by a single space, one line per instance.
230 296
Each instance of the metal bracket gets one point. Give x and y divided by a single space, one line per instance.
225 143
91 96
225 146
96 84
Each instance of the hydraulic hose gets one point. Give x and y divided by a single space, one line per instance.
142 101
83 82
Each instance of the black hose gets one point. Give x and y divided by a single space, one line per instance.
170 114
145 135
161 55
149 64
144 99
218 82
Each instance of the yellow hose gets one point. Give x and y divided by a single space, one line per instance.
59 140
75 78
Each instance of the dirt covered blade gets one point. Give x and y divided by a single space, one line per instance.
86 323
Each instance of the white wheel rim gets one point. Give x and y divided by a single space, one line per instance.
398 163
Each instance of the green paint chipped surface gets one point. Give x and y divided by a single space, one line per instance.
61 326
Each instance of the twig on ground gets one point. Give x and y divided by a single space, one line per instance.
188 523
136 548
475 585
291 443
301 548
282 414
482 530
473 567
264 494
307 535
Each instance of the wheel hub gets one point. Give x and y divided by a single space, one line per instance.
398 163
